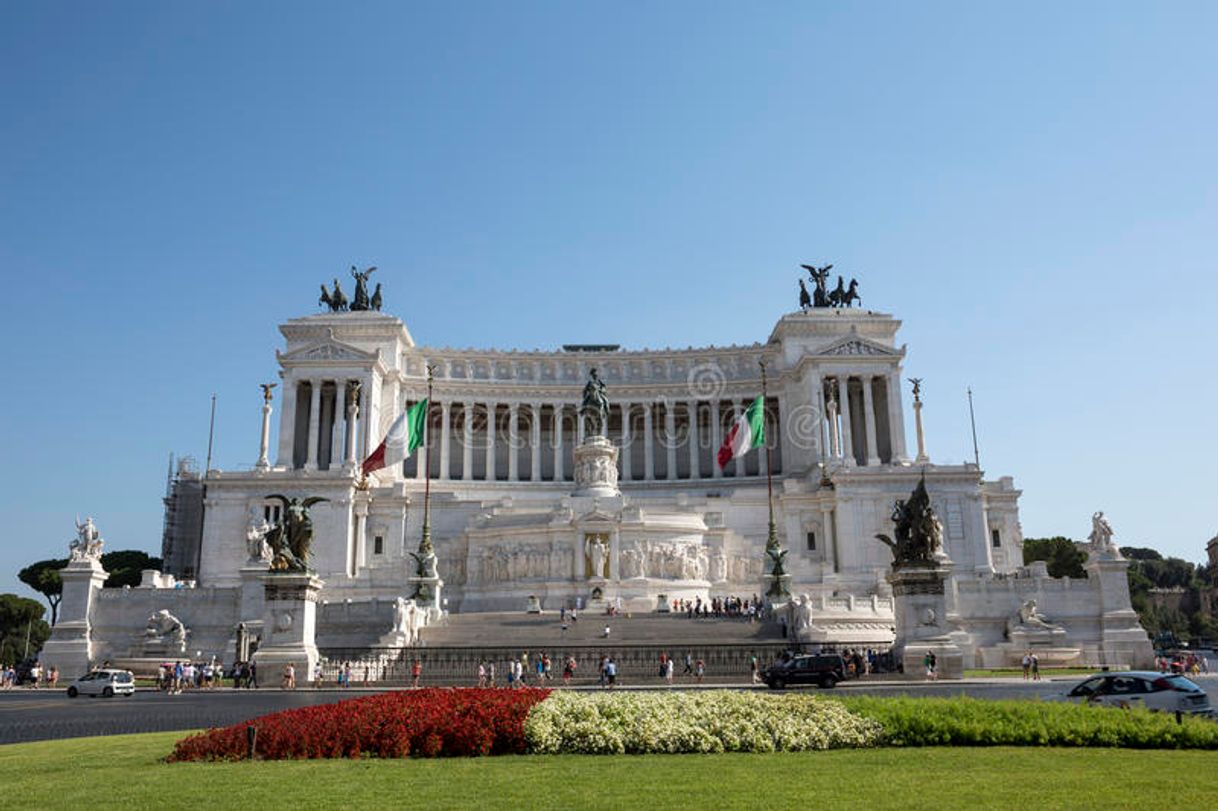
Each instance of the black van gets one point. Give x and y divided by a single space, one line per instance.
824 670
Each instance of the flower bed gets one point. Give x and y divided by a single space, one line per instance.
415 723
703 721
977 722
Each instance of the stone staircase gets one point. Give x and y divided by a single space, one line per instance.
450 651
545 630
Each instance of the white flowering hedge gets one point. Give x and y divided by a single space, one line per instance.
702 721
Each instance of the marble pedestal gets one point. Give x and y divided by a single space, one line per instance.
920 607
426 591
289 626
70 648
595 468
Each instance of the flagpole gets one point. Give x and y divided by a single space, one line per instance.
771 541
425 544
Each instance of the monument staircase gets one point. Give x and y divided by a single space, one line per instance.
450 651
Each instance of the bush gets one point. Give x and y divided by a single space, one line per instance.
977 722
710 721
419 723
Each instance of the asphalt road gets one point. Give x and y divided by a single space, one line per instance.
32 715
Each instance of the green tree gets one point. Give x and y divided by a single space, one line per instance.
125 565
1062 555
21 621
43 577
1140 553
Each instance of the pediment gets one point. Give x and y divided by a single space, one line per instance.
596 516
328 350
857 346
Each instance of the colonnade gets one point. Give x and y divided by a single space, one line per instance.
475 440
862 423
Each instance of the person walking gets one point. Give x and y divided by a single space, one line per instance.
482 674
699 670
1035 667
668 669
416 671
689 664
289 676
753 674
931 663
1027 664
611 672
568 670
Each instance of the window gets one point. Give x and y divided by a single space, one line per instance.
272 512
995 538
812 541
378 545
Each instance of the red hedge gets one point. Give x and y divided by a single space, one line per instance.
433 722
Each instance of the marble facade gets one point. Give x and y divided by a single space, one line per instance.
523 505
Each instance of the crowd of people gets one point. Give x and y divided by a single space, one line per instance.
1191 664
31 673
732 606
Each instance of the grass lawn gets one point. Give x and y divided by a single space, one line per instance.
126 771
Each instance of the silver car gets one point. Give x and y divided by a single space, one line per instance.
103 683
1159 692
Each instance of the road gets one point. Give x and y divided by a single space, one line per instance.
32 715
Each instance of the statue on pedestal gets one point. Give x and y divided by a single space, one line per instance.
361 302
255 538
597 555
595 403
1101 535
919 535
292 537
164 629
336 300
88 543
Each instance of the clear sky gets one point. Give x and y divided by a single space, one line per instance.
1031 187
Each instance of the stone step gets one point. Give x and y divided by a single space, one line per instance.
533 630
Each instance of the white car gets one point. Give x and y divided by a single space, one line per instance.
1159 692
103 683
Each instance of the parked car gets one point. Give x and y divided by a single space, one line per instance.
103 683
822 669
1160 692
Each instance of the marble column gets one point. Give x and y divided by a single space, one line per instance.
873 450
695 449
627 440
513 442
670 441
314 424
896 418
287 423
535 442
445 439
336 427
490 441
649 451
264 442
716 439
556 435
835 443
467 441
843 405
822 433
352 420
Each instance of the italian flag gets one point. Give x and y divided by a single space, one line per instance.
404 436
746 433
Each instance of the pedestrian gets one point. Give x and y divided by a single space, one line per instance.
317 674
1035 667
668 668
605 635
931 662
699 670
289 676
490 674
753 674
1027 664
611 672
416 671
252 682
689 664
482 674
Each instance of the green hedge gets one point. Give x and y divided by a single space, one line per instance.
977 722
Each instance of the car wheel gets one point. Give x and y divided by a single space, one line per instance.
828 683
778 684
108 692
129 695
73 692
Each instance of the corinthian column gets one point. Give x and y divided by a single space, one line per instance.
649 453
467 440
314 424
264 445
627 439
873 451
692 409
513 442
445 438
535 442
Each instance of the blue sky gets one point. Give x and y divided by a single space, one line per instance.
1032 188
